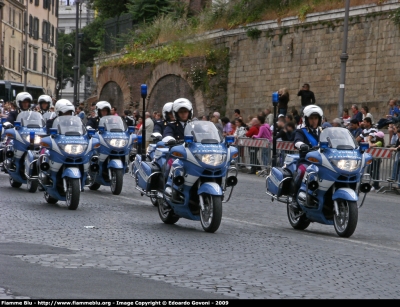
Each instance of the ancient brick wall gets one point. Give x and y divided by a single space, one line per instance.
285 54
309 53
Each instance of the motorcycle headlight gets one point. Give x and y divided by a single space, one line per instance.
36 141
212 159
117 142
73 149
347 165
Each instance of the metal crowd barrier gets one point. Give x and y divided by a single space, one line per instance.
258 153
383 164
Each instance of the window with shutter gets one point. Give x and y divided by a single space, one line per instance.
44 31
30 25
48 32
52 35
36 28
36 2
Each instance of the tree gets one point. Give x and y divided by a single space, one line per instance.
147 10
107 9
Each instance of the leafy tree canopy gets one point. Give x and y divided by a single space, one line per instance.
147 10
108 9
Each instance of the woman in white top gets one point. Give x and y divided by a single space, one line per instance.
364 111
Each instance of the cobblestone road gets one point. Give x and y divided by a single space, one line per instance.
254 255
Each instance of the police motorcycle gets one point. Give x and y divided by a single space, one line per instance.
190 180
23 139
151 149
2 142
64 160
331 185
111 162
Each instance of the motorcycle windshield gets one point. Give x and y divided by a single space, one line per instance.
112 123
69 125
49 115
338 138
203 132
31 119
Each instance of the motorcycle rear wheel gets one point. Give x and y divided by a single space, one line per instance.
299 222
32 185
166 213
117 179
211 217
14 184
73 193
346 222
49 199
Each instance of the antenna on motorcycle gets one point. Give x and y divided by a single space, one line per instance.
143 92
275 101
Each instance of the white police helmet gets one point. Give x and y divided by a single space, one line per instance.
167 108
101 105
182 103
46 99
312 110
63 106
21 97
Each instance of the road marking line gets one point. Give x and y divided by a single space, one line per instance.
345 240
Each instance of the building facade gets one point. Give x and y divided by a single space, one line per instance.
67 16
28 42
67 25
12 35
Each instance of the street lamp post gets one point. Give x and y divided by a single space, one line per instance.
343 58
25 49
76 66
69 48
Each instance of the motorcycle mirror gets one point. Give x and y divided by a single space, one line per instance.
101 129
189 138
363 146
131 129
53 131
229 139
17 125
91 132
323 145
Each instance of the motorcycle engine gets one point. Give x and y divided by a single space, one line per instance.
302 200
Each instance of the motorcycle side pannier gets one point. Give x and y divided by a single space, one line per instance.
276 183
145 178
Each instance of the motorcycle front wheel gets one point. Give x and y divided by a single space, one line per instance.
166 213
346 222
117 179
32 185
14 184
73 193
211 216
296 219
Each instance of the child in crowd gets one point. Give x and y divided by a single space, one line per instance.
376 139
